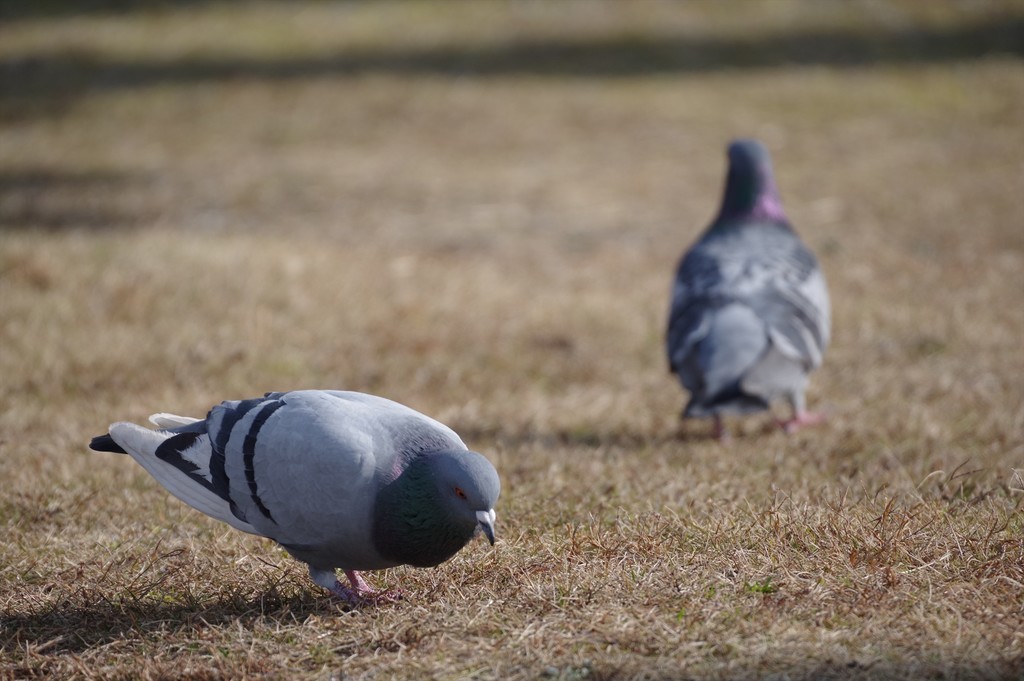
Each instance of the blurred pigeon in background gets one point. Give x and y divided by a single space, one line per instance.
749 318
339 479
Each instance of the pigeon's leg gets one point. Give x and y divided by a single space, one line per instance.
718 430
328 579
368 593
801 417
360 592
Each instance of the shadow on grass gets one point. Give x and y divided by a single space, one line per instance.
583 437
56 200
689 431
15 10
1008 669
68 628
34 84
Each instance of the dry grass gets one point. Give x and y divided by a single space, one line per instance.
209 201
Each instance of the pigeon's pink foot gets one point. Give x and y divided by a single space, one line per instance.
367 594
346 594
801 419
360 593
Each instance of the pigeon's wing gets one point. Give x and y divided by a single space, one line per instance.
164 420
305 467
696 293
787 289
181 462
210 464
735 342
737 294
410 430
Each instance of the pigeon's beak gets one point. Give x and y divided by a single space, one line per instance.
486 522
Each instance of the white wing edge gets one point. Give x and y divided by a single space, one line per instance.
164 420
141 444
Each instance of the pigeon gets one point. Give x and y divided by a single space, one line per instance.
749 318
339 479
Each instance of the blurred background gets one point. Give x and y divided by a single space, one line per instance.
467 120
459 202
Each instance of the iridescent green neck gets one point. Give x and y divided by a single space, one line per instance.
410 525
750 196
750 191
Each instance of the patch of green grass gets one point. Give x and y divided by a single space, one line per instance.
764 586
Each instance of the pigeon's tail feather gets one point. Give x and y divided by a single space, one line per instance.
163 420
181 467
731 401
105 443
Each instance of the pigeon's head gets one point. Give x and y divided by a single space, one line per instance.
435 506
750 191
748 154
468 488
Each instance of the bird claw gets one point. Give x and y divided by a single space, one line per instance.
361 593
345 594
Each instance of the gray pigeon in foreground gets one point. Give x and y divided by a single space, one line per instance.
339 479
749 318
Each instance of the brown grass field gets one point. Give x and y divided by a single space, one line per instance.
475 208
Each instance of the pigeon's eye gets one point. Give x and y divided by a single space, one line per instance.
459 493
